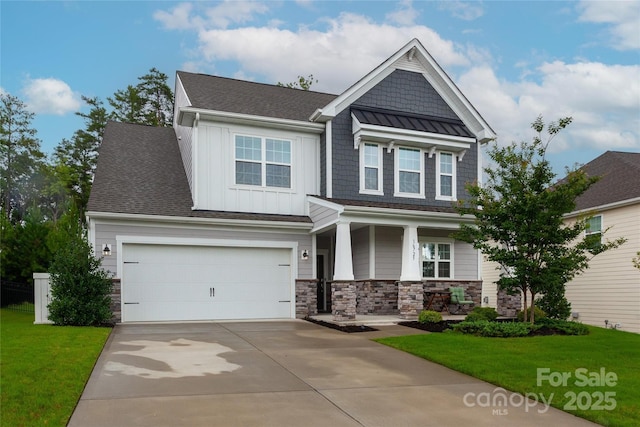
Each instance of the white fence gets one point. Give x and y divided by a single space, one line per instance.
42 291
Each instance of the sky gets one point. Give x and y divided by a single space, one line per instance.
513 60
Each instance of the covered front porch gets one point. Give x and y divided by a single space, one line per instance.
380 261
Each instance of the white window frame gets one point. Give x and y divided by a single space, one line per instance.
397 192
588 233
439 174
363 189
436 242
263 162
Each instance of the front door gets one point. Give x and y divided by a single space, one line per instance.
323 291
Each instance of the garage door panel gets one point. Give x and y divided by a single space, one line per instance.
162 282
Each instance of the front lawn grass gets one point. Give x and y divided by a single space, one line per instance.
512 363
43 368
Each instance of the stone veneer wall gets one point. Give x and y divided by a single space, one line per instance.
378 297
410 299
116 300
472 290
508 305
306 298
343 305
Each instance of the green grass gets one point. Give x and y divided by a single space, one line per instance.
512 363
43 369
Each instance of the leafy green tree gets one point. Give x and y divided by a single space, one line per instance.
20 159
158 98
519 218
80 288
636 260
303 83
128 106
75 159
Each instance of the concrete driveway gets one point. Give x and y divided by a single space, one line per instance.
287 373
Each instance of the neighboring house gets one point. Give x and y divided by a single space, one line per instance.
270 202
609 290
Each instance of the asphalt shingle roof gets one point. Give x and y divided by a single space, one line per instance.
620 179
140 171
408 121
259 99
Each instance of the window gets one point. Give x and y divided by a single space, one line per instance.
371 169
263 161
594 232
446 177
437 259
409 166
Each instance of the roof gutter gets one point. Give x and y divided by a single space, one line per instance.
608 206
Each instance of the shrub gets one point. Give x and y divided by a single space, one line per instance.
537 314
569 328
482 313
79 287
555 305
429 316
485 328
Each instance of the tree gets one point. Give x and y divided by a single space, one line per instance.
158 98
302 83
519 218
128 106
76 158
80 288
21 156
636 260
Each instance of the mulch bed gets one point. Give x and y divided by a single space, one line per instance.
447 324
342 328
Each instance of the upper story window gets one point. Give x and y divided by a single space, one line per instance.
594 231
409 167
371 169
437 260
445 176
264 162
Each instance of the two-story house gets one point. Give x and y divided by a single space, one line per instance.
270 202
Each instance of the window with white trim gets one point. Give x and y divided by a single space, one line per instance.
446 176
264 162
409 166
371 169
436 259
593 232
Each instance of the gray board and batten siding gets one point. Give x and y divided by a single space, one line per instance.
402 92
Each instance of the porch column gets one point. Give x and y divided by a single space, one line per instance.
343 264
410 255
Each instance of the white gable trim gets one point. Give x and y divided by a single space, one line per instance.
414 53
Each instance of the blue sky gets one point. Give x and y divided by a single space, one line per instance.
513 60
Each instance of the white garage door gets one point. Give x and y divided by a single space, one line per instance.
162 282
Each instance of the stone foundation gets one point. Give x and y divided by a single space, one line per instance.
379 297
306 298
410 299
508 305
343 300
116 300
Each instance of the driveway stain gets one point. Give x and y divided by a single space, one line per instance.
175 359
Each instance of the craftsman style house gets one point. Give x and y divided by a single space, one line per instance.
269 202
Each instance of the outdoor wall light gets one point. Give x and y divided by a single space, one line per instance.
304 255
106 250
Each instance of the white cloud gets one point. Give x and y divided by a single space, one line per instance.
622 16
465 10
219 16
50 96
604 101
406 14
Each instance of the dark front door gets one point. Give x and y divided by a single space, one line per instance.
323 289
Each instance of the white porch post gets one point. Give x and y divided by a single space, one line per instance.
343 265
410 255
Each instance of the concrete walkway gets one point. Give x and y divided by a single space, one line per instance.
287 373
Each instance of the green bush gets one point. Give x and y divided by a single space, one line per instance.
537 314
569 328
79 287
555 304
482 313
429 316
485 328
